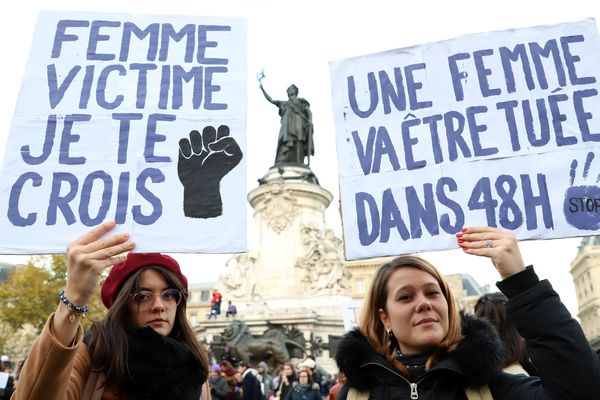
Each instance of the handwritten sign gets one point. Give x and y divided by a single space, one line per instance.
136 118
499 129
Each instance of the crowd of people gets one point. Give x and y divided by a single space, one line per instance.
302 381
411 340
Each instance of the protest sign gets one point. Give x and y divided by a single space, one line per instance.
136 118
499 129
350 314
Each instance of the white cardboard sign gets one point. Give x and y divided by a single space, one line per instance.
136 118
498 129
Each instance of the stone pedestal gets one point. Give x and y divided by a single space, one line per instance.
294 276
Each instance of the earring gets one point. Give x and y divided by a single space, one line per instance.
394 345
392 339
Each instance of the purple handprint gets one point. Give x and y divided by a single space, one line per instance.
204 160
583 202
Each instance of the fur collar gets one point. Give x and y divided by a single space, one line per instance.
477 358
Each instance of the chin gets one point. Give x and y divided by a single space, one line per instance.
162 331
429 342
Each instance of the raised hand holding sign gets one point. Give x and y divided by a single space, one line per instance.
204 159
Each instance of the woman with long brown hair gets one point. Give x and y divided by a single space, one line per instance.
492 307
411 342
143 348
287 377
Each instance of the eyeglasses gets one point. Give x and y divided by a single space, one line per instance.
169 297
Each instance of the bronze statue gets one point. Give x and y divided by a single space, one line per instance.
274 346
296 133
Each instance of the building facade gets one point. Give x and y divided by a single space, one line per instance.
585 269
198 305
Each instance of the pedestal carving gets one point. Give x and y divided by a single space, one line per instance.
279 207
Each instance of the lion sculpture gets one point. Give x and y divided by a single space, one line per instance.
273 347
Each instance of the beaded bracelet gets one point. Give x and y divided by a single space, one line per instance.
74 310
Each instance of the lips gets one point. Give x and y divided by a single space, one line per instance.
157 321
426 321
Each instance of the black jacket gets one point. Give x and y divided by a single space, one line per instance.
304 392
219 389
7 391
251 387
568 367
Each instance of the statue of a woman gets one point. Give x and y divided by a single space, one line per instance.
296 133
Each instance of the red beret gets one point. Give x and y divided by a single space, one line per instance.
135 261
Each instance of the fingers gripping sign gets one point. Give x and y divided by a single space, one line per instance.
204 159
88 256
498 245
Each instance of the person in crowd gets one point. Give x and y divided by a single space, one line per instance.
304 389
7 382
266 381
219 389
231 310
6 363
317 373
142 348
492 306
340 380
411 342
229 373
215 304
287 377
236 393
250 386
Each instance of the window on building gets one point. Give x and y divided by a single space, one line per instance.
204 296
360 286
198 297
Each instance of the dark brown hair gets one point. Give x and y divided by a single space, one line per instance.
107 340
373 329
291 365
491 306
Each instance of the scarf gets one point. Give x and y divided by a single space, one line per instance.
160 367
415 364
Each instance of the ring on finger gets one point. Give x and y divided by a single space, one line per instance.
489 243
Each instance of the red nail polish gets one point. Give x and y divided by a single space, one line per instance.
463 230
460 241
458 235
464 249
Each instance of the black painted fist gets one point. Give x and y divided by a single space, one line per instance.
204 160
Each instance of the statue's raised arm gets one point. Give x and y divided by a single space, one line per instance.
266 94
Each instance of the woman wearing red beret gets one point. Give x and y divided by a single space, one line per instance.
144 347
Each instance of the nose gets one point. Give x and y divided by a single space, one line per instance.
157 304
423 305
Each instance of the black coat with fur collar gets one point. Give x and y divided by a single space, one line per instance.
568 367
476 360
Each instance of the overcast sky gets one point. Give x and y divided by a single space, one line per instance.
294 41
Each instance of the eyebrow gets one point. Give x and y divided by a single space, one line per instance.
425 285
149 289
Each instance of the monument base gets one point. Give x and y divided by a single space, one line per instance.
294 278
